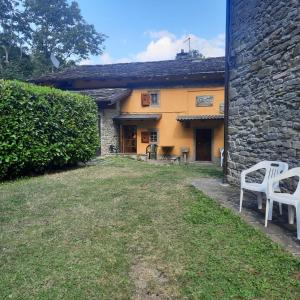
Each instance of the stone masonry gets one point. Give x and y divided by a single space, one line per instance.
264 84
109 129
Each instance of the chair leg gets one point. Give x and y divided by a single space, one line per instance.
270 210
241 199
291 214
259 200
280 208
267 212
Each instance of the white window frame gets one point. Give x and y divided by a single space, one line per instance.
157 135
151 92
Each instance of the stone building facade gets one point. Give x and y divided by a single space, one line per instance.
109 130
108 102
264 83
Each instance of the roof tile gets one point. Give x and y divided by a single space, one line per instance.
137 70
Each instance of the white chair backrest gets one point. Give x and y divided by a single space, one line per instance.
297 174
293 173
273 169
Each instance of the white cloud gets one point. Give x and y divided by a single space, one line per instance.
165 45
160 49
105 59
85 62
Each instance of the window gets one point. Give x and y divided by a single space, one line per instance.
149 136
154 98
153 136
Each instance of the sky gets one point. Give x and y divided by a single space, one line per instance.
151 30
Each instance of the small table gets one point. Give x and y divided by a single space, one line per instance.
166 151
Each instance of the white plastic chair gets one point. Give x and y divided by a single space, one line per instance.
273 169
222 156
284 198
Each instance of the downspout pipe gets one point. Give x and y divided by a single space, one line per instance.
227 70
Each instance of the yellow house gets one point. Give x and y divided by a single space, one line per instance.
177 105
176 119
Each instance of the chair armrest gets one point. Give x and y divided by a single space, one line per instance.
274 182
243 177
250 170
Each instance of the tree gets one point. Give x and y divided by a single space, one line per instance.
38 28
14 34
59 29
19 65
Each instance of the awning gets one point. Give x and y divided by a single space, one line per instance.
138 117
199 117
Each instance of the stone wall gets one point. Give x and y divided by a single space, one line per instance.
264 84
109 129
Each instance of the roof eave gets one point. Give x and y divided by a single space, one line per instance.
137 117
199 118
133 78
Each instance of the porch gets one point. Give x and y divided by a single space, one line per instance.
188 138
207 136
228 196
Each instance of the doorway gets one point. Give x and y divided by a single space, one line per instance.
129 139
203 144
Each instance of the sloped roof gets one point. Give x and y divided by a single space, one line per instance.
110 95
137 70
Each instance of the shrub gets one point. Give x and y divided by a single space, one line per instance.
43 128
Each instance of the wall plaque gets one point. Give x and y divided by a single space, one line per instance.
204 100
222 108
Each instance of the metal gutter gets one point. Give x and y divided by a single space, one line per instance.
226 108
182 118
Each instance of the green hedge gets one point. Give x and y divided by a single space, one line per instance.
43 128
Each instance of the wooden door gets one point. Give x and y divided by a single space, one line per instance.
203 144
129 139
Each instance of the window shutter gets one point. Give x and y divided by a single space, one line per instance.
145 99
145 137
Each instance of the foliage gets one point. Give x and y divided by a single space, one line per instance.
19 66
36 29
58 28
122 229
14 32
44 128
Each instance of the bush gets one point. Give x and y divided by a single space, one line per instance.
43 128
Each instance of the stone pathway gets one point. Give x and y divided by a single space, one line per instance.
278 229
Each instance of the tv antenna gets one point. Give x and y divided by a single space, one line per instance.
54 61
189 41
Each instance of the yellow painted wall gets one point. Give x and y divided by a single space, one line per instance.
174 102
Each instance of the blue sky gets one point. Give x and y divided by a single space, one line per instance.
140 30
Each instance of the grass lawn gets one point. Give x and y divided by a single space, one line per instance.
124 229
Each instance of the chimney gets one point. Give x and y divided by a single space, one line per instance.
182 55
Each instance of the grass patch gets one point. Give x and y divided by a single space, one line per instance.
234 260
123 229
